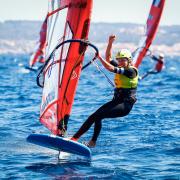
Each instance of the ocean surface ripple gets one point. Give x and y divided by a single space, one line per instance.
143 145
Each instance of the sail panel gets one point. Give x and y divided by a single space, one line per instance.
67 20
151 29
38 55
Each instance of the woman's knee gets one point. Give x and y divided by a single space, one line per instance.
122 113
127 111
96 116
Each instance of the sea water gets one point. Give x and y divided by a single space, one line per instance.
143 145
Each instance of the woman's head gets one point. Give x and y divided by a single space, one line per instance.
161 56
124 58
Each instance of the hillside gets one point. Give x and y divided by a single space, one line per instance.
21 36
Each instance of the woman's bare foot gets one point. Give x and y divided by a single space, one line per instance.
90 144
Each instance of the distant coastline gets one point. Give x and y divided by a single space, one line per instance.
20 37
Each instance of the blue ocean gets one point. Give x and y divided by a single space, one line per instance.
143 145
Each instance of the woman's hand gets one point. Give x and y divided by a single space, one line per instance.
112 38
98 56
105 63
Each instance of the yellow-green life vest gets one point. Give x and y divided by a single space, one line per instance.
122 81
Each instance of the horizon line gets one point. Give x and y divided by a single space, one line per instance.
98 22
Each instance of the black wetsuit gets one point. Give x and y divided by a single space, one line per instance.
119 106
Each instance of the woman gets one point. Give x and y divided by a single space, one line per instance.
126 80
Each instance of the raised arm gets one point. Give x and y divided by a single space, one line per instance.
109 48
154 58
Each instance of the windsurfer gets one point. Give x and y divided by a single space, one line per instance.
158 67
126 80
159 64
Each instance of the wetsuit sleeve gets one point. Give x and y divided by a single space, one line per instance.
130 72
114 63
157 59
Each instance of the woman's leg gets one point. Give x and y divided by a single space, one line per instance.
97 130
111 109
95 117
85 127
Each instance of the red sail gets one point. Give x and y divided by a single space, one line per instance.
38 55
151 29
67 19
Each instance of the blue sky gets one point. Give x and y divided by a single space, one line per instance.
103 10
